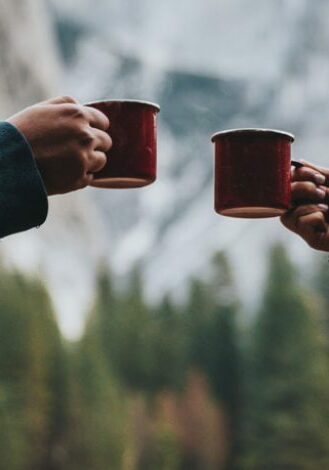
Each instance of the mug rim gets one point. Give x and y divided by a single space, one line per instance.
250 130
133 101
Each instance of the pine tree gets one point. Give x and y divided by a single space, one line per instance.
288 424
121 323
166 342
97 435
30 349
105 319
321 284
99 431
199 316
224 366
213 332
133 362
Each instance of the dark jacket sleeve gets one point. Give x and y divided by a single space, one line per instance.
23 198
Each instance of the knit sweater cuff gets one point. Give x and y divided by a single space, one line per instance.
23 197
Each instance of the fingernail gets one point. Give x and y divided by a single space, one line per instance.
319 179
320 193
323 207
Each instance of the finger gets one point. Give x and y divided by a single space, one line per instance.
290 218
97 118
308 174
307 209
310 224
319 168
102 141
307 191
62 100
97 161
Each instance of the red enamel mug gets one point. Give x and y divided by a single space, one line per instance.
252 172
131 162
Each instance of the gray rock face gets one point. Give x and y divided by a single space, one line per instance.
28 55
29 72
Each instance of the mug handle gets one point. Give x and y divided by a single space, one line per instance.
296 164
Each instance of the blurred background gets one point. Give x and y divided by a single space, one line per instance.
138 329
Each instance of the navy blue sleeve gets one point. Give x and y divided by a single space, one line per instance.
23 197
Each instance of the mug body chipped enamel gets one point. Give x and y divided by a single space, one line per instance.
131 161
252 172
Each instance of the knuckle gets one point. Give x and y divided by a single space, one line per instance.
74 110
303 209
86 136
318 217
68 99
301 224
309 186
80 112
305 172
303 186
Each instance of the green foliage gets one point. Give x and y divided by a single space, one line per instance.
225 362
163 451
167 344
121 322
32 381
213 339
97 419
160 386
288 423
321 283
143 347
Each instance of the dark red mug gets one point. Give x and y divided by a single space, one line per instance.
131 161
252 172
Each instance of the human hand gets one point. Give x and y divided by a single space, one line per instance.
68 141
309 215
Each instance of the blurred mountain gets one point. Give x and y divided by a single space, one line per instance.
210 65
25 32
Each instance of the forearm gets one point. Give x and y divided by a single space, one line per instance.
23 198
